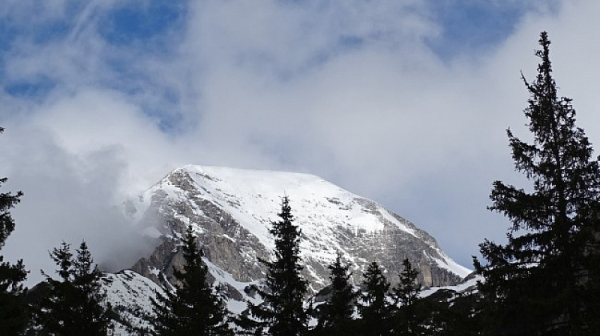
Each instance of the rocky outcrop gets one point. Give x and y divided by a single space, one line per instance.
231 210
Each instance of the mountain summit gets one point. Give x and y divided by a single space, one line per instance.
231 212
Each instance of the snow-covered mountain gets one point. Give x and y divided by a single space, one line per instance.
130 296
231 211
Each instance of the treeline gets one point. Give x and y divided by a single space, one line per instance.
372 308
544 281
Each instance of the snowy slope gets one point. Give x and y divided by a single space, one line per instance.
130 295
231 210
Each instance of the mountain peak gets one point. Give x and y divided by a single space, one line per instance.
231 211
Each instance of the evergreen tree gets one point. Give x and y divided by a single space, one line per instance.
375 309
462 316
87 280
407 320
335 315
193 309
449 313
282 312
74 304
408 289
544 280
13 312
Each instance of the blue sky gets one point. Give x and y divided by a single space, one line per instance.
474 26
404 102
154 28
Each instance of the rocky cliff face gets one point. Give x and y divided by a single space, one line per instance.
231 211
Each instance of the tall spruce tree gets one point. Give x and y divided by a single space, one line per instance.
75 304
375 309
407 320
281 313
335 315
193 309
408 289
13 312
544 281
95 311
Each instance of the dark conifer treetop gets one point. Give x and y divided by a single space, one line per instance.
408 289
13 315
194 309
75 304
7 201
375 310
282 312
406 293
537 279
343 296
335 315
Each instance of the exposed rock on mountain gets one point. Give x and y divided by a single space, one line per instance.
231 211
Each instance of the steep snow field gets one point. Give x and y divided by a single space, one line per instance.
253 198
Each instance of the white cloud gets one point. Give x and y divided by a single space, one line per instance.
67 197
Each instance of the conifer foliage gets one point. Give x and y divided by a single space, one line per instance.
13 315
408 289
406 293
544 280
375 309
75 304
193 309
282 312
335 315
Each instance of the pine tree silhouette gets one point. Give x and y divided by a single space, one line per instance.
282 312
193 309
75 304
375 310
13 312
545 279
336 314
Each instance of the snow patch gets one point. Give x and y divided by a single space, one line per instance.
450 265
151 232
